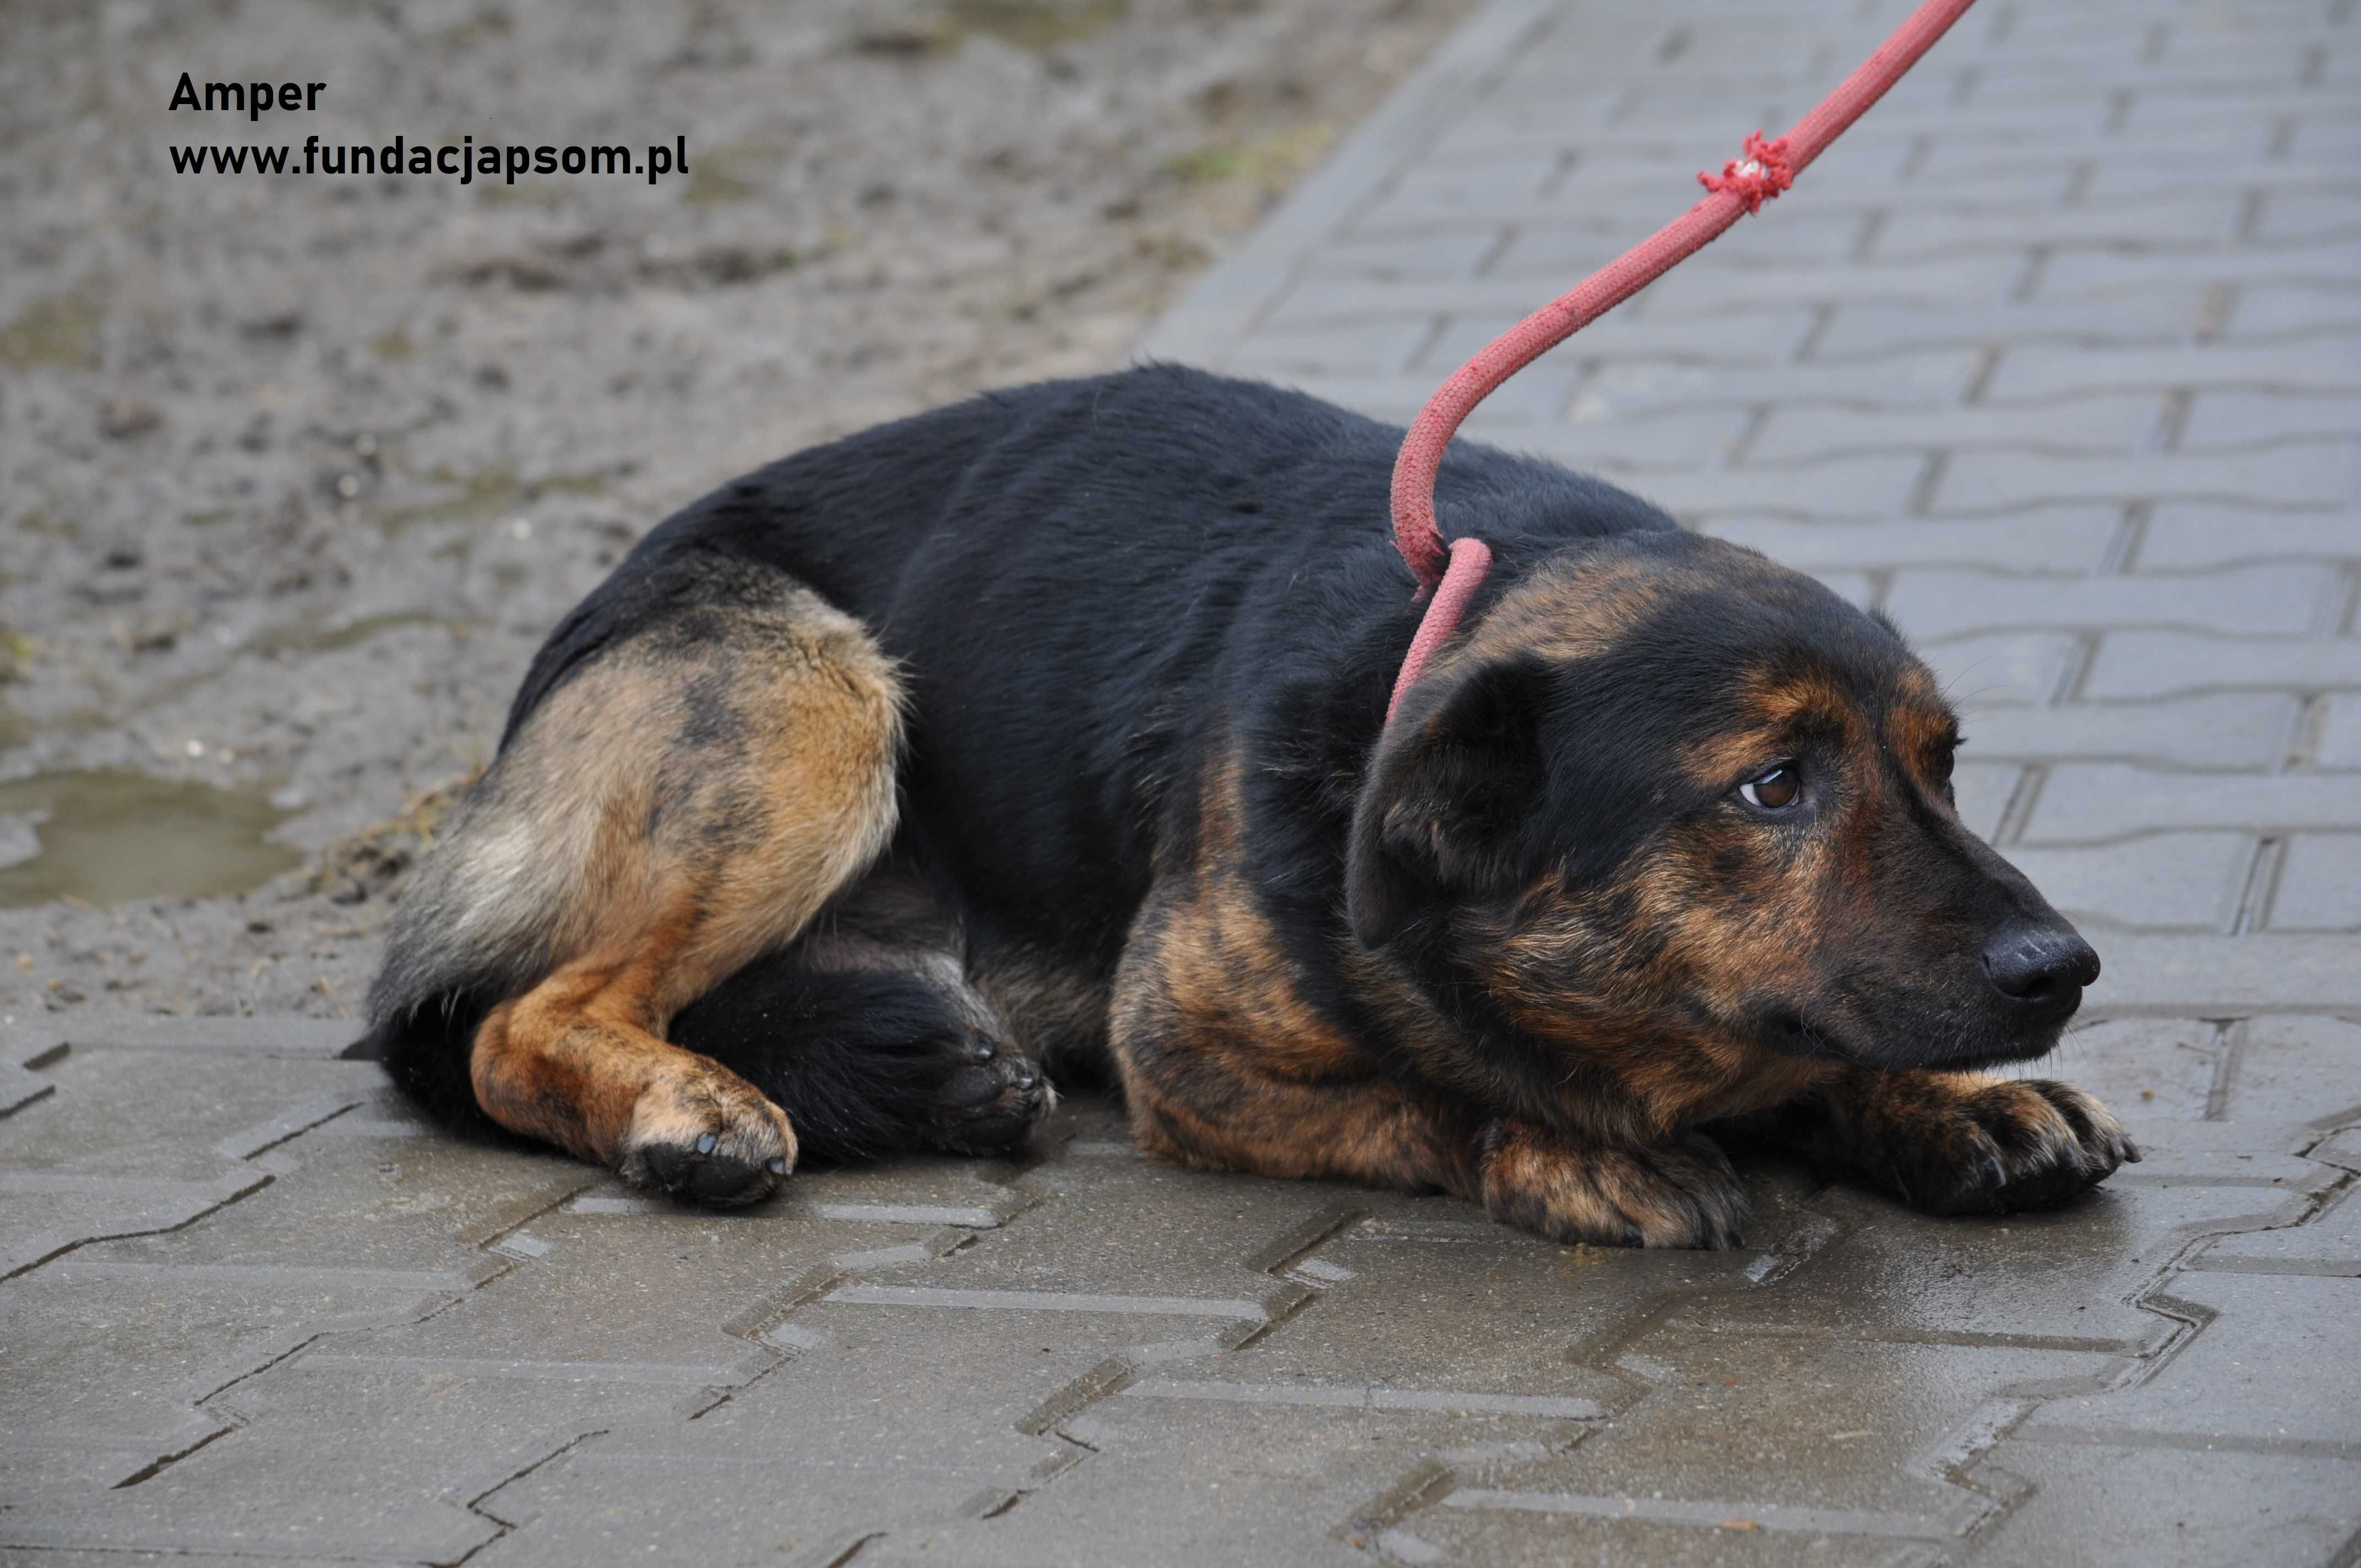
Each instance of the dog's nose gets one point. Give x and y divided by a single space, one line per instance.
2041 966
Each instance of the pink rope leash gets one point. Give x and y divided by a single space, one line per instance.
1452 576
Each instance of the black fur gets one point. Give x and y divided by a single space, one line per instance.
1087 580
1098 588
864 1062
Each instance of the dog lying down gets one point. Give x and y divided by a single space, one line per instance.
1047 730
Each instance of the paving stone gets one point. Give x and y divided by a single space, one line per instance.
2296 474
2261 1156
377 1465
2218 731
2328 1244
1881 295
678 1300
2254 600
2230 418
1982 791
2297 1069
1984 672
1682 438
261 1037
2270 1370
1453 252
2082 274
2061 1281
2135 1504
2197 217
2142 1068
106 1118
2054 540
1951 157
2139 663
1263 1484
403 1213
2340 733
1524 1308
1354 348
89 1161
2227 975
2320 884
1545 1529
1932 376
2182 536
2082 801
110 1371
1752 335
883 1420
2321 365
1081 1251
2294 310
2307 214
1571 251
1841 1423
2161 881
2113 424
1871 487
2142 174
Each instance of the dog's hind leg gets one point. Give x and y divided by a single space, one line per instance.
870 1035
685 800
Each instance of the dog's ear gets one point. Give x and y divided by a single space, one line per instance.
1448 806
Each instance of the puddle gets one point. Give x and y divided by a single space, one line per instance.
1037 25
110 835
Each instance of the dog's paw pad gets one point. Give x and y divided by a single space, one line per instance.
708 1137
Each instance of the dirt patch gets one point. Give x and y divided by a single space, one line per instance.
299 470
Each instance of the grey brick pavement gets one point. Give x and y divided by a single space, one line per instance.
2058 360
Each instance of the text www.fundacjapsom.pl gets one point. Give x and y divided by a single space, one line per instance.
463 162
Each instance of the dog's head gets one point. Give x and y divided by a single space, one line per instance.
1670 792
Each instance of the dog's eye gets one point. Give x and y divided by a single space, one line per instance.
1774 789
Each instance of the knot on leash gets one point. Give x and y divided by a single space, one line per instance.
1754 179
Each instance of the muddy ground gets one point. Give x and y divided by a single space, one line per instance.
296 471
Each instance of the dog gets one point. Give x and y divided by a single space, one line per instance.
1047 731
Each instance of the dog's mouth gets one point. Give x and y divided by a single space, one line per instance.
1813 1036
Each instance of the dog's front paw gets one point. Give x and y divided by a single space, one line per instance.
2005 1145
1682 1193
703 1133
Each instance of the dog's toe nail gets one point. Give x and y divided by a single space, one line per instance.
985 1051
777 1166
707 1143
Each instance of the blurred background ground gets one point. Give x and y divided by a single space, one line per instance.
296 472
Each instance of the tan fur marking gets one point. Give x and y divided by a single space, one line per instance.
688 812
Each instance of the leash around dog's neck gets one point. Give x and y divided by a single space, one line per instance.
1452 576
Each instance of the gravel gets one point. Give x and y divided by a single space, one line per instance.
298 470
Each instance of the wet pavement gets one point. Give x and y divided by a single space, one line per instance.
2056 358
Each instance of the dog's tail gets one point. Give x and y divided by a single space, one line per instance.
476 927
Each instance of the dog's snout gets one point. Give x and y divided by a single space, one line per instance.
2038 966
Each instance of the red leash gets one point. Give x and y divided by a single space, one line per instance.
1742 187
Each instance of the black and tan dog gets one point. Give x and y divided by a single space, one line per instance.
1050 727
